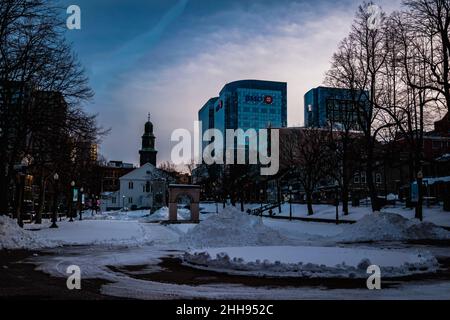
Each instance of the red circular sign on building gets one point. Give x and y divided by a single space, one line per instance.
268 99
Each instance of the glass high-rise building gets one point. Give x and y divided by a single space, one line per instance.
326 106
206 116
247 104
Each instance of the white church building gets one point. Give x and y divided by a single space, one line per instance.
145 187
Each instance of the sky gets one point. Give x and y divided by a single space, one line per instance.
168 57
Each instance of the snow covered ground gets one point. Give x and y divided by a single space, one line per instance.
107 229
229 228
95 261
283 248
238 243
434 214
104 232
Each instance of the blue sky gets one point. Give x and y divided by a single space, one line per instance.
168 57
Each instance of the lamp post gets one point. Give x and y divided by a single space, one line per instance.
290 203
215 197
279 196
22 167
337 202
419 213
80 203
261 197
55 201
123 203
72 189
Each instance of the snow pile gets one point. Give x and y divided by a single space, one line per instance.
138 215
159 215
13 237
163 215
311 262
391 227
391 197
117 215
232 228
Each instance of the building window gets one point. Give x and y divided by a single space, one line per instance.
436 144
130 200
356 178
363 178
378 178
130 185
143 188
113 200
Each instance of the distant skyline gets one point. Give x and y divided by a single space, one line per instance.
168 57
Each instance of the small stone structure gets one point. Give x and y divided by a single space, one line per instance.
176 191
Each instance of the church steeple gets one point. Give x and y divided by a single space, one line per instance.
148 151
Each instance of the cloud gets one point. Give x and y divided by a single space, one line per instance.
291 43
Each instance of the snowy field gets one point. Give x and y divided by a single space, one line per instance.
434 214
228 228
230 242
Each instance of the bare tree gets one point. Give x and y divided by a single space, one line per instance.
190 166
429 21
169 167
357 66
305 154
36 61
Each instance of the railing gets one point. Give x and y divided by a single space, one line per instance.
259 211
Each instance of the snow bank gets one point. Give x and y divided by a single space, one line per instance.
159 215
117 215
232 228
13 237
391 227
138 215
163 215
311 262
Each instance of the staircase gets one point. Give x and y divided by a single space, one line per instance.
260 210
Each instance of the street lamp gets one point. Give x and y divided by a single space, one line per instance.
55 202
21 176
261 197
337 202
419 213
80 203
72 189
290 203
123 202
215 197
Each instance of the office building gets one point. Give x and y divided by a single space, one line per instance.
247 104
335 107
